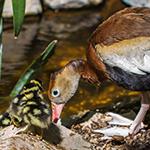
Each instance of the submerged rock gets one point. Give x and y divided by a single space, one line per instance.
65 4
34 7
64 25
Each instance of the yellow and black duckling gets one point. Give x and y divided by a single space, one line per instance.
28 108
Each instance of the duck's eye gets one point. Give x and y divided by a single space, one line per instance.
55 93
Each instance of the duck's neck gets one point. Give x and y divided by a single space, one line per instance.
84 70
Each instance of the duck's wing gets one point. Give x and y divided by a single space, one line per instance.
130 55
126 24
123 40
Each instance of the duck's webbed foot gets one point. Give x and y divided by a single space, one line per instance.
118 125
122 126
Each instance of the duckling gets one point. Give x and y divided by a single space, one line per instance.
28 107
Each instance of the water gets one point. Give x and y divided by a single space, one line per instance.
72 29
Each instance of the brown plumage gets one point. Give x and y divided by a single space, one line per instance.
118 50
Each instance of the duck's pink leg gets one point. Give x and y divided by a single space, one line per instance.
137 123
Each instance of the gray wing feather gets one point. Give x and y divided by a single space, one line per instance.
130 56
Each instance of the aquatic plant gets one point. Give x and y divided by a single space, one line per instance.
18 17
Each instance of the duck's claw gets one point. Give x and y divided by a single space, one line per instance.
135 128
113 131
119 120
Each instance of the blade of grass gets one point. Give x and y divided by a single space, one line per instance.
1 31
33 68
1 7
18 15
1 45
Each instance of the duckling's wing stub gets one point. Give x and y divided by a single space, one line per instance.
36 113
5 119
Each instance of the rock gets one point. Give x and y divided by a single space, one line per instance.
99 132
12 138
63 25
26 142
137 3
15 138
65 4
34 7
72 140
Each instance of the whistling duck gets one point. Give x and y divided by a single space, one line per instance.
118 50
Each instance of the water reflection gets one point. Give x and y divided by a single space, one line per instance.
72 29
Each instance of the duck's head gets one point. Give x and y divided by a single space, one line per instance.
64 84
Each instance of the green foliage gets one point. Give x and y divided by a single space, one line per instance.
1 45
1 7
18 15
1 30
33 68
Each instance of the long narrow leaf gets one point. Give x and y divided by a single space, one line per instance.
1 30
1 44
18 15
1 7
33 68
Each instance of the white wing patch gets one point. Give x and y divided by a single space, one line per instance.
124 63
132 55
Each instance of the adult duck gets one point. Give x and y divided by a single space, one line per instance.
118 50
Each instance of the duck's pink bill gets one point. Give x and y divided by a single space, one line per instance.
56 111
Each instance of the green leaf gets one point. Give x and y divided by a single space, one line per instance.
1 7
1 31
18 15
1 45
33 68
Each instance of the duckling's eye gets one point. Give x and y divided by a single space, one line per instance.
55 92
